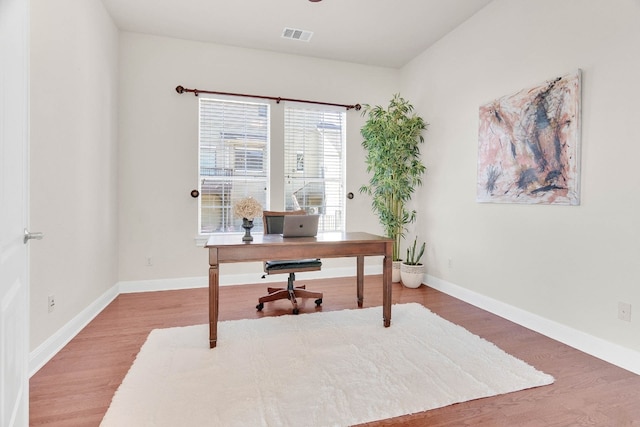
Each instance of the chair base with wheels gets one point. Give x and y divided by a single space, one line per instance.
291 293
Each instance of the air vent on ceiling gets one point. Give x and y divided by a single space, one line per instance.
292 33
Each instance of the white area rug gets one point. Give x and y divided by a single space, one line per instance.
321 369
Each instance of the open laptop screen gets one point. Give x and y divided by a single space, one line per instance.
300 226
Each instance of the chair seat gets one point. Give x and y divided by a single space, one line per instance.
291 264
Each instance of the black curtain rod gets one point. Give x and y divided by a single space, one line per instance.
196 92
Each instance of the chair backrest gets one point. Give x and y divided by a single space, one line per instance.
274 220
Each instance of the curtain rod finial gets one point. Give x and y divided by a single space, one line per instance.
180 89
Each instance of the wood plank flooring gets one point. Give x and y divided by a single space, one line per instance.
75 388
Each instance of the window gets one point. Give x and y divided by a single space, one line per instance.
314 144
234 162
234 148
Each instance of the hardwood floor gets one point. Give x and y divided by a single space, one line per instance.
75 388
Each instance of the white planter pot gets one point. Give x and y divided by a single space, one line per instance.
412 275
395 271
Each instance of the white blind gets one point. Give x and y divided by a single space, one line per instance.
234 147
314 163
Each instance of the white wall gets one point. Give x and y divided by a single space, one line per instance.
73 159
159 140
571 265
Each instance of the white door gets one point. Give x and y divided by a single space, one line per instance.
14 286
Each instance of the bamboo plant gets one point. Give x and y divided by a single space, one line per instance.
392 137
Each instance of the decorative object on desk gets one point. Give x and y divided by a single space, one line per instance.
247 224
392 137
411 270
247 209
529 145
340 371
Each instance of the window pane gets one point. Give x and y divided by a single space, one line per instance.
234 147
314 169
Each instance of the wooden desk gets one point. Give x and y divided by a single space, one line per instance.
230 248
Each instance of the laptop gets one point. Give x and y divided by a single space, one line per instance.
300 225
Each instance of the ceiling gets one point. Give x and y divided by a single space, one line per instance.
386 33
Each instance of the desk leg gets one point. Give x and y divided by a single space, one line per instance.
214 287
360 279
386 291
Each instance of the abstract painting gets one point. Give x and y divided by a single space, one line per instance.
528 145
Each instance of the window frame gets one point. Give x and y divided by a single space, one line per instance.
274 182
228 165
300 159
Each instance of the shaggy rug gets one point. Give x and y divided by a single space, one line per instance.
320 369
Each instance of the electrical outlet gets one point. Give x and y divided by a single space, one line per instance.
624 311
149 261
450 263
51 303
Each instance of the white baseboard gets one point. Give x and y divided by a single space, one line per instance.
45 351
132 286
613 353
237 279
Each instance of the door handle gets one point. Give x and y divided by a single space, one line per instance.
35 235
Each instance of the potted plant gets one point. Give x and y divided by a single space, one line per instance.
391 138
411 270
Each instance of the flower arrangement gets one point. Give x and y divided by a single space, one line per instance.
248 208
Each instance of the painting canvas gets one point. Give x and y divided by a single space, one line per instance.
528 145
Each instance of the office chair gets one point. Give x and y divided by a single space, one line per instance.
273 223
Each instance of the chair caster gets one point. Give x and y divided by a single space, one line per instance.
296 311
260 306
318 302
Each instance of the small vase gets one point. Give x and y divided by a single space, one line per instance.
247 224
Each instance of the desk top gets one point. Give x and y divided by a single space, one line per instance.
218 240
231 248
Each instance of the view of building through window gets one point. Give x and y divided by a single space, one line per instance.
234 142
314 163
